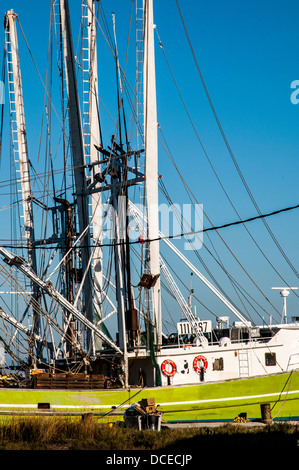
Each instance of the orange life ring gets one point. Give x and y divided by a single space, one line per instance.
196 362
165 371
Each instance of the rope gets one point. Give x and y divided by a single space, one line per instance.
283 403
121 404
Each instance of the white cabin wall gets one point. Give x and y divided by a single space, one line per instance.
285 344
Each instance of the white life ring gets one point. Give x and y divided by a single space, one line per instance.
199 363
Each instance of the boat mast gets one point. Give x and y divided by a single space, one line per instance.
151 162
19 138
77 148
94 142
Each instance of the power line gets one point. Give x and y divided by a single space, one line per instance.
185 234
219 227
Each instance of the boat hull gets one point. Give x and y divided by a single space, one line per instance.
221 401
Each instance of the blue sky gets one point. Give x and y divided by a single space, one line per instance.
248 54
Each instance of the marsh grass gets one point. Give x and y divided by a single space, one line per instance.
86 433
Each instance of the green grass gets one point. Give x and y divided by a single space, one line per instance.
66 433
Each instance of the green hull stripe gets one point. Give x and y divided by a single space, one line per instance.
244 397
178 403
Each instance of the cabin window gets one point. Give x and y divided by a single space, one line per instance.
270 359
218 364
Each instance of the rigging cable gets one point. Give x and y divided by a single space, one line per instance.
219 262
235 285
185 184
213 169
231 152
189 192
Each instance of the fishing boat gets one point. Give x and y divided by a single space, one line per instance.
84 327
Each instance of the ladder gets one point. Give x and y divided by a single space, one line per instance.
86 92
85 60
243 363
139 75
20 151
18 131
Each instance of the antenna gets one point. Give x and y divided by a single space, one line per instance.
284 292
191 292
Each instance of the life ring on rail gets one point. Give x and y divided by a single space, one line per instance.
165 368
199 363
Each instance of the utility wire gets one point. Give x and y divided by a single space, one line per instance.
192 232
219 227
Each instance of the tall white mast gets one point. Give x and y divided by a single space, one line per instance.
151 160
77 148
94 133
19 138
19 129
